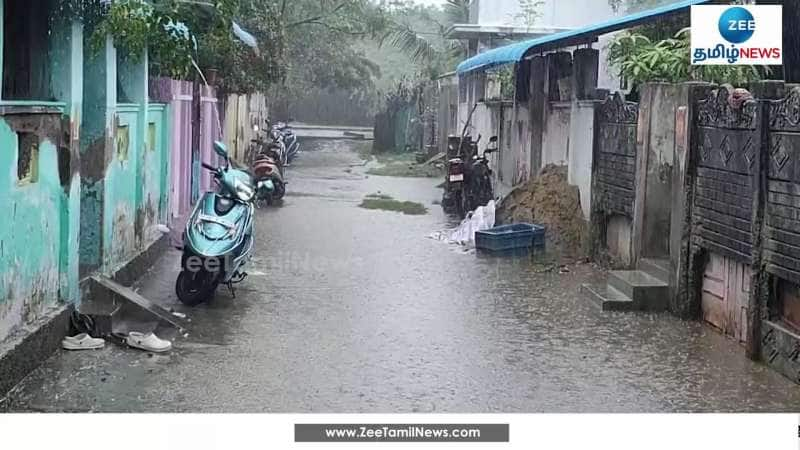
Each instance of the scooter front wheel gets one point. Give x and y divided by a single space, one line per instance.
195 288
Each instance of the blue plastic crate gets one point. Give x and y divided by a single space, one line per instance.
519 236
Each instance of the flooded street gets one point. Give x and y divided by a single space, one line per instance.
349 310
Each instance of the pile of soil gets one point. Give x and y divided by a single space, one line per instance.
550 201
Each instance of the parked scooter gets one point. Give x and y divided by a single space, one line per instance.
268 178
218 239
278 144
290 140
267 165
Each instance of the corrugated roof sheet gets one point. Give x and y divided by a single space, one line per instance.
515 52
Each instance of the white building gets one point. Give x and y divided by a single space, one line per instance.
494 23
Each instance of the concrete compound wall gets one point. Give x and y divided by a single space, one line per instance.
581 145
38 239
656 156
555 140
554 126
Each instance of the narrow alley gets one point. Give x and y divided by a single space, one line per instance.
351 310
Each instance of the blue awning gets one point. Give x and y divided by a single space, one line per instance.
515 52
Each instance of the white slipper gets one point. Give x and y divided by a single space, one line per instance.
149 342
82 342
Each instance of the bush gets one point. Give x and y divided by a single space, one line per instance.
640 60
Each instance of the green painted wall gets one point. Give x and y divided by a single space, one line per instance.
154 174
99 194
96 147
30 240
119 213
39 241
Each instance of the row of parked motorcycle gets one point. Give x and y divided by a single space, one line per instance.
218 238
273 151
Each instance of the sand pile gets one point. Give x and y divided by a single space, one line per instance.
550 201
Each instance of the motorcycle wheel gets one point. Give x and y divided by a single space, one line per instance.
197 289
280 190
453 203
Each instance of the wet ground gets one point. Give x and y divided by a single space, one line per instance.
351 310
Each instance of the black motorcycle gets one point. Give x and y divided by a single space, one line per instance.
468 183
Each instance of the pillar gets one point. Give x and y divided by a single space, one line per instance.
585 72
96 146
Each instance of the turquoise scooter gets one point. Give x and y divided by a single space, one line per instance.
218 239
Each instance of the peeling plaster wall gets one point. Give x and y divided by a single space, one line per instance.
30 240
39 236
120 191
152 210
555 141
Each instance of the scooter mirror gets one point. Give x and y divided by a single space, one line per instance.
220 149
492 147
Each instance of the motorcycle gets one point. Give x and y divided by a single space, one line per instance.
218 238
268 178
278 145
468 182
291 141
478 190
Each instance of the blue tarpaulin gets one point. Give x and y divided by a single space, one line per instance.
516 52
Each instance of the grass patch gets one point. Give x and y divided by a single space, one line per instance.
400 165
385 202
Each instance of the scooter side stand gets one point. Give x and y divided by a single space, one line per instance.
236 279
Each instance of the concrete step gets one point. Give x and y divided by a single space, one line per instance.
658 268
118 310
608 298
647 292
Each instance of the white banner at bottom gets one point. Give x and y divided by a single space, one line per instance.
401 431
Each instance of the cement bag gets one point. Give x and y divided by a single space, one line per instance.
481 219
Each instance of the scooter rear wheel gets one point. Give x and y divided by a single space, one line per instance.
193 289
280 190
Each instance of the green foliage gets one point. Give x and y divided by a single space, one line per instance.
507 78
136 25
641 60
322 51
243 69
419 31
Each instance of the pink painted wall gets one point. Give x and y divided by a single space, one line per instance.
187 179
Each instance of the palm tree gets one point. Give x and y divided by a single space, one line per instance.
427 48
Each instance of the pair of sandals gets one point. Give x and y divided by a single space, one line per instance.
144 341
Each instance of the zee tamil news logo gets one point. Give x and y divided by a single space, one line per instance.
729 35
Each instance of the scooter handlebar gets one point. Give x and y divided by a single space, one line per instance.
209 167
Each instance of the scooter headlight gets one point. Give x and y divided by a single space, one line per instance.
266 185
243 191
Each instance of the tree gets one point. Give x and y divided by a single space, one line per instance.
420 32
322 51
640 59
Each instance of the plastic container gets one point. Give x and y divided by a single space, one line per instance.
511 238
